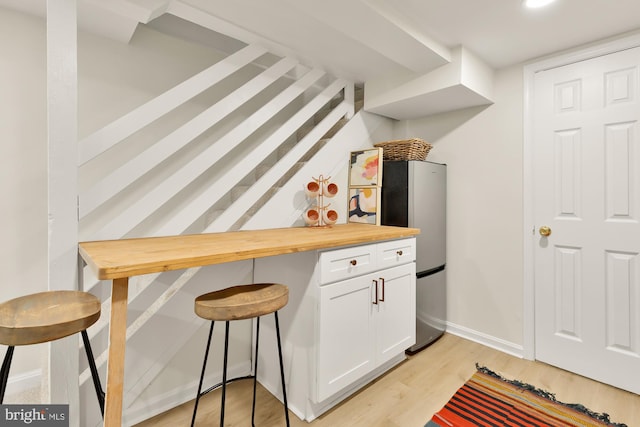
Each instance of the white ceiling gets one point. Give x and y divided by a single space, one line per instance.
503 32
388 42
365 39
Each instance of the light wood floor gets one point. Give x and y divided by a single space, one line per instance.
412 392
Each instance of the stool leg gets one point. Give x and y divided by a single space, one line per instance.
224 371
4 372
255 373
204 366
284 388
94 371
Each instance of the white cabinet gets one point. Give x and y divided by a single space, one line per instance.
350 317
363 322
346 335
395 317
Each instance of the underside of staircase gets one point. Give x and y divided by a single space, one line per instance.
223 150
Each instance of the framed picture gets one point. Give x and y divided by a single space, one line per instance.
364 205
365 168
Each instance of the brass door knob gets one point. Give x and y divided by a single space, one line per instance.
545 231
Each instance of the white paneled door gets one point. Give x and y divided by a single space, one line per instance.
586 178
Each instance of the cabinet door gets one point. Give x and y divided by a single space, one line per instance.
395 313
346 339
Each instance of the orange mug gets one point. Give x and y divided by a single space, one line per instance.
312 189
311 217
330 217
329 189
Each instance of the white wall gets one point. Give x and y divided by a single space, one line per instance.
23 167
113 79
482 147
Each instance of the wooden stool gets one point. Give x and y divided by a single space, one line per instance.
236 303
44 317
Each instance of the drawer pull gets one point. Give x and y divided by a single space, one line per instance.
353 262
399 253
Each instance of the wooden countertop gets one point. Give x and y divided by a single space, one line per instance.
113 259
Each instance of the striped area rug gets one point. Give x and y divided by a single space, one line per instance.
487 399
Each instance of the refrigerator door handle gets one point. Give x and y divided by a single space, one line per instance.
421 274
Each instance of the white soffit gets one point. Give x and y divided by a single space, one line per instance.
451 98
465 82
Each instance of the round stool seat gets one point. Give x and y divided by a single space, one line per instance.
46 316
242 302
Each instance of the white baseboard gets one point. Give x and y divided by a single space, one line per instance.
499 344
24 388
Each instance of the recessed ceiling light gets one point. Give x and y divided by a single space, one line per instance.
537 3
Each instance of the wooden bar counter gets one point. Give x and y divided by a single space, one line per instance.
118 260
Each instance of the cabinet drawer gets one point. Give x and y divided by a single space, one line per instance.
396 252
344 263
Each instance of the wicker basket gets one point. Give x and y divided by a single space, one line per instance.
404 149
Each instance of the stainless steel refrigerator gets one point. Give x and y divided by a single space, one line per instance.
414 195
